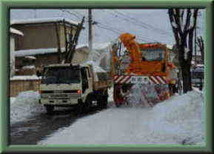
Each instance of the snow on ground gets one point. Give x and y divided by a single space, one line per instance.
24 105
174 121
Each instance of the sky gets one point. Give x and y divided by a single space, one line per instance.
149 25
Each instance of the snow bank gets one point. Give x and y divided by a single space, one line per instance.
180 117
175 121
24 105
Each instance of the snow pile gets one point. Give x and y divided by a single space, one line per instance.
25 105
96 67
175 121
99 51
181 118
23 77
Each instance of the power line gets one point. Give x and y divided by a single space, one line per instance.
148 25
119 31
71 13
106 27
137 22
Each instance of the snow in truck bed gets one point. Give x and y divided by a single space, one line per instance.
178 120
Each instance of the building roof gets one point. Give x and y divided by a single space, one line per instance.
16 32
42 20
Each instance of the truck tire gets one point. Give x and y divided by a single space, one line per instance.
103 102
79 108
49 109
88 104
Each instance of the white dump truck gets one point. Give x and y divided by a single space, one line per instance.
80 86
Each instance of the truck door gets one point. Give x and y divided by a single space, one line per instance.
86 81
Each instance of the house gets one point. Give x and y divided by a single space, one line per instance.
14 34
44 32
45 39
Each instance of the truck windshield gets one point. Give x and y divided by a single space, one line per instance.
153 54
58 75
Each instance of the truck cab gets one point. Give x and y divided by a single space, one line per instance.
67 85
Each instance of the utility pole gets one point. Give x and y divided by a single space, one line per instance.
90 38
195 44
35 13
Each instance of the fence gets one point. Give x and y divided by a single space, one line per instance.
19 85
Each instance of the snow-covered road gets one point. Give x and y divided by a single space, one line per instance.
178 120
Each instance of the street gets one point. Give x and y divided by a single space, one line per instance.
34 129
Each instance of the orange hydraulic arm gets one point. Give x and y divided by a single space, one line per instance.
132 46
139 66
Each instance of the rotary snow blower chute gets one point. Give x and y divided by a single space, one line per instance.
141 73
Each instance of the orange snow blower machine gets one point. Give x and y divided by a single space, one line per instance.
141 73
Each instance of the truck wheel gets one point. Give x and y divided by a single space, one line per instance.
88 104
103 102
49 109
79 108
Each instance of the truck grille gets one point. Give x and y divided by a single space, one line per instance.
59 96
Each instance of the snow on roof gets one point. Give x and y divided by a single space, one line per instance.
30 57
96 46
33 77
101 46
31 52
42 20
15 31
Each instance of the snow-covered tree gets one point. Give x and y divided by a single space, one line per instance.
183 22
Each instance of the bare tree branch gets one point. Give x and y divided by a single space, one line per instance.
194 19
188 17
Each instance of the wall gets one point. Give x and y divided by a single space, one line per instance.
17 86
35 37
40 36
12 58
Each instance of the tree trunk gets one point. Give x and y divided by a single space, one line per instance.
186 75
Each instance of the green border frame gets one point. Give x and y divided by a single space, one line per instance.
4 7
